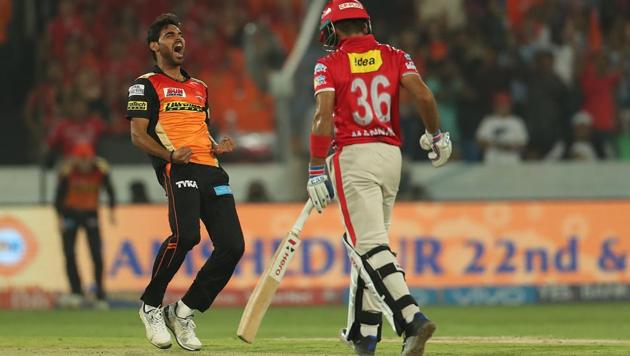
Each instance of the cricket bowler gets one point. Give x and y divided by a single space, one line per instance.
169 115
356 90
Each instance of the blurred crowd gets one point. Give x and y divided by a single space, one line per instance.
520 79
91 51
514 79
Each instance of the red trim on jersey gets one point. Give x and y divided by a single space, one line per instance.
342 198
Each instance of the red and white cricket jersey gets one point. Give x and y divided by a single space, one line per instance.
365 76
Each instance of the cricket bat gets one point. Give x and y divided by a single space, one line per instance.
268 283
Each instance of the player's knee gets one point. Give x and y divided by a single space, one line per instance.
236 249
189 239
233 250
364 246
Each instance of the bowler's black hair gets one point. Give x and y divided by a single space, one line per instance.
161 22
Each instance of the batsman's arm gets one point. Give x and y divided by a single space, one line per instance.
424 100
323 127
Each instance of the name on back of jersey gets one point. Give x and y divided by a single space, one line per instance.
365 62
374 132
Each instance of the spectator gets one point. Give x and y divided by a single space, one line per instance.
257 192
263 53
582 148
598 87
545 106
445 86
42 109
79 128
139 192
502 135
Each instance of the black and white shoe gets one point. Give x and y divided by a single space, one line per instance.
417 333
364 346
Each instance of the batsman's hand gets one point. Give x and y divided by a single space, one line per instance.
226 145
439 147
320 191
181 155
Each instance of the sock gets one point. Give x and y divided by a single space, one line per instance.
182 310
147 308
409 312
369 330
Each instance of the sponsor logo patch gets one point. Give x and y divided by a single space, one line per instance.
182 106
319 80
365 62
350 5
186 184
137 106
174 92
319 68
136 89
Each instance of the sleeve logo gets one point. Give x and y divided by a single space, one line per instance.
137 106
174 92
365 62
320 80
136 89
320 68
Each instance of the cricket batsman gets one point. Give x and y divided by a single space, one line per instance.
169 115
356 90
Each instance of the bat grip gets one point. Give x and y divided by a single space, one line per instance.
301 220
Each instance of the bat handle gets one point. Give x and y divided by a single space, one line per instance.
301 220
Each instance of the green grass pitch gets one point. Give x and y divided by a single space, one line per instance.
575 329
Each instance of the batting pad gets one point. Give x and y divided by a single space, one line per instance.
384 280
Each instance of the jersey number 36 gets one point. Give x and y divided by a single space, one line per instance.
376 104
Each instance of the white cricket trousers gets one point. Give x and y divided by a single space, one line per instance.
366 177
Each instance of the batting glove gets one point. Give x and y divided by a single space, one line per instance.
439 147
319 188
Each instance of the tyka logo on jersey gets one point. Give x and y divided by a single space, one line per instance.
186 184
174 92
365 62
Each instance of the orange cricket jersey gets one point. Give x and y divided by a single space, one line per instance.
177 113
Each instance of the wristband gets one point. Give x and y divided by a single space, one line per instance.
316 171
171 157
436 136
320 146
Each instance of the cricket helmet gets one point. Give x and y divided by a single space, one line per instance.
338 10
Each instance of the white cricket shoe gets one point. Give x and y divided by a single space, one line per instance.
182 328
70 301
153 321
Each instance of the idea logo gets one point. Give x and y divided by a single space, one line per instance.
17 246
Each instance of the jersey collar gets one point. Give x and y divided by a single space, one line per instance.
358 42
159 70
